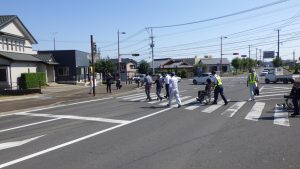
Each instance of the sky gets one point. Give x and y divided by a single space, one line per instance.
71 22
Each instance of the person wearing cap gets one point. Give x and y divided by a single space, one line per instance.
174 90
167 84
295 92
252 81
218 88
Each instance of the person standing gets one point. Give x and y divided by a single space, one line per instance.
174 90
109 79
295 92
148 84
252 81
218 88
167 84
159 86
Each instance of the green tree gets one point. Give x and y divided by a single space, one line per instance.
236 63
144 67
104 66
244 63
277 62
199 65
183 73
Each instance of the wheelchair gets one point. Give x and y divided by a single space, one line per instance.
289 102
204 97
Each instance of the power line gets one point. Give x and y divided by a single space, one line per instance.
224 16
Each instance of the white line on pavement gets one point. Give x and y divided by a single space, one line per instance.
27 125
193 107
212 108
280 91
256 111
131 96
73 117
17 143
76 140
173 101
143 97
230 112
281 116
268 99
269 95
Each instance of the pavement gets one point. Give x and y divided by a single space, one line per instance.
59 94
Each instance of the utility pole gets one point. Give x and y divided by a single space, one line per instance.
152 51
256 55
278 45
294 62
93 47
249 56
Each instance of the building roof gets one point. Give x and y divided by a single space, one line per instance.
189 61
161 62
178 65
6 19
215 61
19 57
46 58
124 60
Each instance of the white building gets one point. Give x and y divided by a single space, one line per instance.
16 54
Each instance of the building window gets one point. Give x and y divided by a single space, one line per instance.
132 66
63 71
19 46
12 45
3 74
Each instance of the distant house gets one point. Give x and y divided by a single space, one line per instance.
214 64
72 67
128 68
16 54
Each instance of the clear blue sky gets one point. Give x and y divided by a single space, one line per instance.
72 22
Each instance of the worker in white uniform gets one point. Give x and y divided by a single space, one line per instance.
174 90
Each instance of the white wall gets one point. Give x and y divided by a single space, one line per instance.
12 29
18 68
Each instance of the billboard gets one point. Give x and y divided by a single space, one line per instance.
268 54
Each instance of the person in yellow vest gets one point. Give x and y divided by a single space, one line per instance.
218 88
252 81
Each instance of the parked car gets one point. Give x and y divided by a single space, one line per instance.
139 77
264 73
202 78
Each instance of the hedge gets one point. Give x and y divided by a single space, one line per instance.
32 80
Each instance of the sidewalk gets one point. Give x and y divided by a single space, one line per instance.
59 94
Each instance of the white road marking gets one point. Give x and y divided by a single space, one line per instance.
268 99
230 112
188 101
281 116
27 125
131 96
269 95
64 105
274 87
17 143
214 107
256 111
173 101
20 98
279 91
76 140
73 117
193 107
143 97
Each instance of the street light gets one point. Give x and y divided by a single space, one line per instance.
119 56
222 37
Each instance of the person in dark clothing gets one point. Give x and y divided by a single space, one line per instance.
118 84
159 86
216 79
108 82
295 92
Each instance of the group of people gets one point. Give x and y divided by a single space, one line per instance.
171 85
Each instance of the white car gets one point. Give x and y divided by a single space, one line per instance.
264 73
202 78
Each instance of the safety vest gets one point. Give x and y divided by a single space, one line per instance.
219 81
252 78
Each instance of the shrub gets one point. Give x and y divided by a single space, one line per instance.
32 80
183 73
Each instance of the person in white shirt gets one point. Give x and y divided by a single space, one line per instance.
174 90
167 84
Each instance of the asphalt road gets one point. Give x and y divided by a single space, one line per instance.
128 132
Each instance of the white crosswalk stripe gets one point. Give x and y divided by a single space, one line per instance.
233 109
256 111
143 97
281 116
128 96
173 101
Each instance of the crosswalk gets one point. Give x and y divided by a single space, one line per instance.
254 110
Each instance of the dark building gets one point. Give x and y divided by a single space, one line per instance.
73 65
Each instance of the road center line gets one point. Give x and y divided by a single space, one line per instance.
74 117
76 140
27 125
